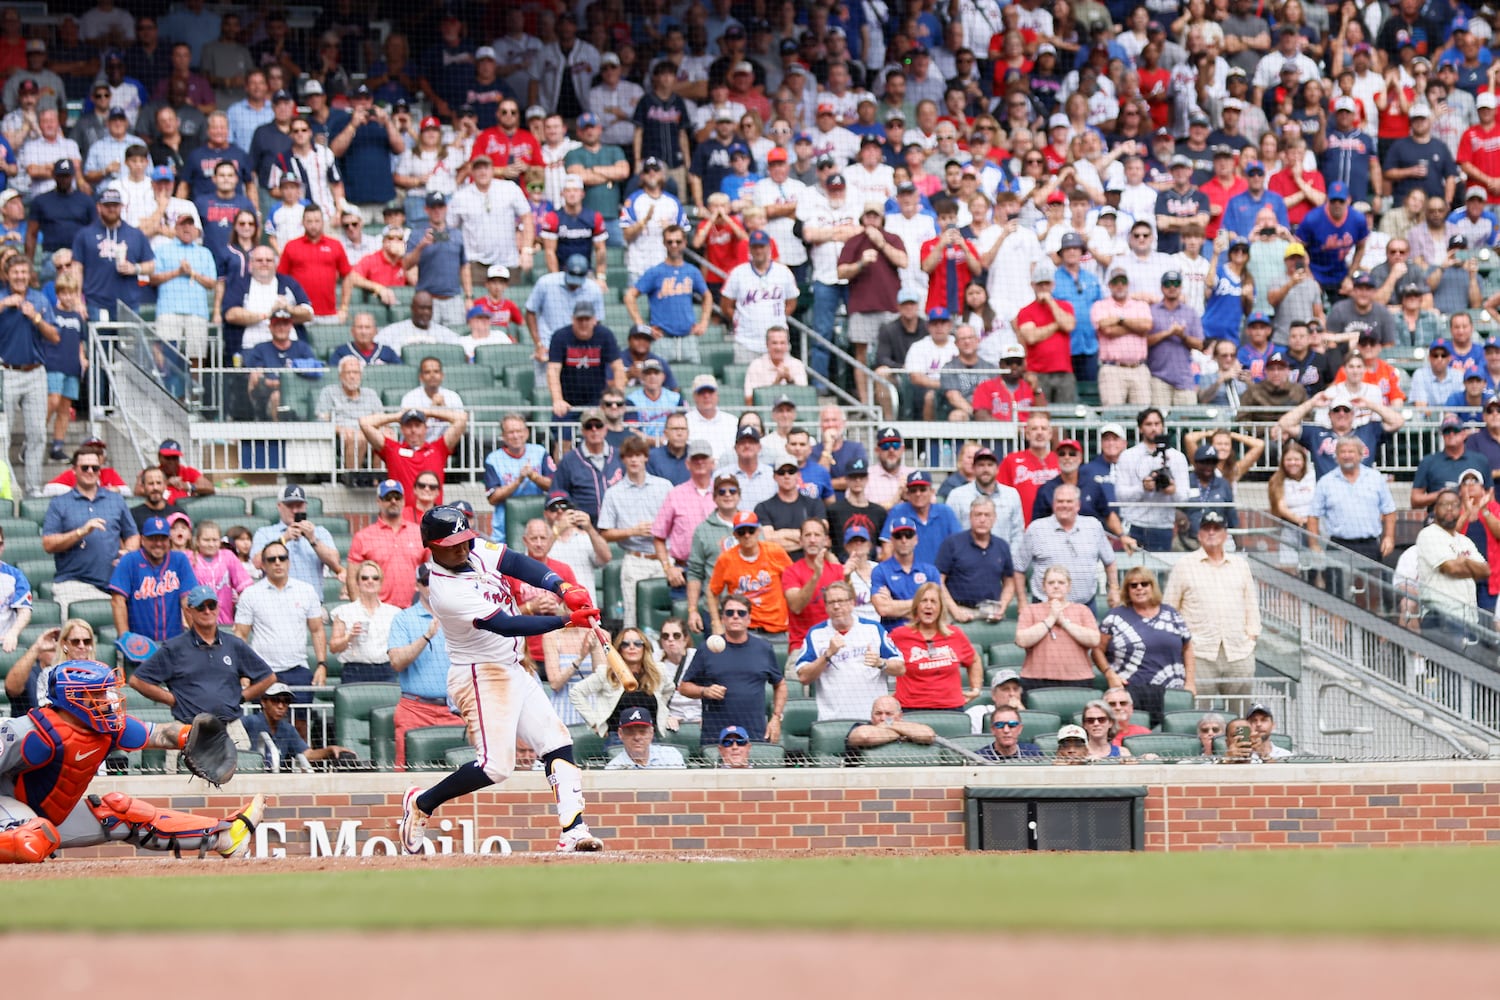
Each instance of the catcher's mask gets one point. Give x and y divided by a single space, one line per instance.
89 691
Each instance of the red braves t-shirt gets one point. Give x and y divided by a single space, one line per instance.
507 149
1002 402
404 464
502 311
935 668
1481 148
318 268
1053 355
1025 473
374 267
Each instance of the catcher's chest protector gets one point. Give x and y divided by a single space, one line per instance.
69 758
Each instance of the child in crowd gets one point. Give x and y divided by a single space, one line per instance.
65 360
503 312
285 223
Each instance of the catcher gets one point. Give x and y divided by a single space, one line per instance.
49 756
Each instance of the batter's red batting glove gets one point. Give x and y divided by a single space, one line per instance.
575 597
583 618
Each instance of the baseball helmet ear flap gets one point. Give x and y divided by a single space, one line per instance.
445 526
90 692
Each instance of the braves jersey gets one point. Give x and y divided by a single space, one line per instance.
1023 472
15 593
153 594
503 150
848 685
573 233
457 599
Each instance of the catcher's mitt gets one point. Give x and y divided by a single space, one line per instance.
208 751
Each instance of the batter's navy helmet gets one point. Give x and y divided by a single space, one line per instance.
445 526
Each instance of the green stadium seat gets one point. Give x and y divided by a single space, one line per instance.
1036 723
323 339
1171 746
1185 722
99 614
390 398
428 746
224 508
17 526
827 741
497 398
1177 700
761 755
943 723
1004 656
653 603
504 357
902 754
23 548
985 634
522 379
264 509
45 613
718 357
250 762
588 747
519 510
35 510
451 355
686 737
352 708
470 377
378 378
382 735
459 756
804 396
1060 701
1047 743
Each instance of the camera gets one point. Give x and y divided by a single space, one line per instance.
1268 231
1161 478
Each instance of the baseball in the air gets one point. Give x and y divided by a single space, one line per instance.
715 643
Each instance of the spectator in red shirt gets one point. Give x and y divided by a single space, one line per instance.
393 542
949 260
937 655
182 480
510 147
1026 469
1045 328
722 240
378 273
804 581
412 454
318 264
1008 396
503 312
109 479
1479 149
1219 188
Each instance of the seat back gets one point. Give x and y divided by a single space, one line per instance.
352 707
428 746
653 603
226 509
383 737
1034 724
943 723
588 747
1060 701
1168 746
1186 722
519 510
902 754
827 740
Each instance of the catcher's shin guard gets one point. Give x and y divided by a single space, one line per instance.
32 841
138 822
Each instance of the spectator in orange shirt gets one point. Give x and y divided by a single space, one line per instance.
1378 371
751 570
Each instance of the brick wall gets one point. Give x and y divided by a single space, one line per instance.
1187 807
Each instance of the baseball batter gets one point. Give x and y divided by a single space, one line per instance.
499 700
49 756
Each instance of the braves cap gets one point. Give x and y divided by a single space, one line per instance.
636 717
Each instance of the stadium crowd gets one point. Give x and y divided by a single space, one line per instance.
995 209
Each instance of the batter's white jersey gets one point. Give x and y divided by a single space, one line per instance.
457 599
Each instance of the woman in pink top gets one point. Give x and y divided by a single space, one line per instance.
217 567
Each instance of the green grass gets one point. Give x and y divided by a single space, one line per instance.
1430 892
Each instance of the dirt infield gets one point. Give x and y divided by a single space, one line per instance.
645 963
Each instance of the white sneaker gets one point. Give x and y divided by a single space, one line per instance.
413 827
578 839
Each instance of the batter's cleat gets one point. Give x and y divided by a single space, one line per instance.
579 840
241 832
413 822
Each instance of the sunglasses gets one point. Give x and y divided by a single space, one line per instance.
1171 284
734 613
369 579
734 741
85 641
891 446
727 491
631 644
88 468
1011 724
273 559
593 425
1093 719
745 531
611 406
903 534
1133 584
427 486
672 635
208 606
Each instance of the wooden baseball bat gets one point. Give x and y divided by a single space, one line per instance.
962 751
617 668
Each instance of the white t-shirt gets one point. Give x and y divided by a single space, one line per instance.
278 620
869 185
140 200
759 302
446 399
371 645
768 192
487 220
927 357
261 298
647 249
457 599
914 232
817 212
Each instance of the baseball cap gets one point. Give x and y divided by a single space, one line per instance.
728 115
583 308
176 516
641 330
363 90
1171 278
1259 316
1338 191
1115 429
1223 151
281 312
1294 250
777 155
111 196
591 415
784 400
1475 191
938 314
277 690
1071 241
1012 352
575 269
1073 443
433 200
747 433
902 523
858 467
484 52
698 447
1458 242
1057 198
1179 160
856 531
155 527
163 173
1006 676
1255 167
787 465
1259 709
1469 474
1276 358
476 311
636 717
609 59
703 382
887 435
389 486
737 732
168 448
895 115
413 416
430 122
1419 111
203 593
907 295
117 113
1474 375
1362 278
1440 345
1340 404
906 187
1071 732
28 86
1345 104
760 238
919 478
745 519
1211 519
1485 100
652 163
986 455
558 498
1042 271
498 271
312 88
1198 118
1206 453
833 181
535 111
572 182
652 365
1058 120
36 45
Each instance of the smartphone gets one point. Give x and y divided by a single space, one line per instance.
299 517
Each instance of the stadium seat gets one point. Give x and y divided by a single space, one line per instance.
504 357
1171 746
323 339
761 755
653 603
519 510
496 399
45 613
610 595
942 723
352 708
985 634
588 747
1004 656
1060 701
468 378
804 396
391 396
451 355
428 746
383 736
686 737
250 762
378 378
1184 722
902 754
1177 700
265 510
827 741
1137 718
1035 723
35 509
459 756
99 614
226 509
23 548
522 379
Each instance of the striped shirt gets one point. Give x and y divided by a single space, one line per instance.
1080 550
627 503
686 507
